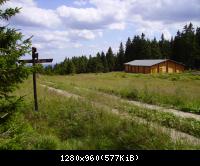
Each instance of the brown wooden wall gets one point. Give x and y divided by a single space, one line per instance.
137 69
164 67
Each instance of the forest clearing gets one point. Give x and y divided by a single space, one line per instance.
99 81
97 111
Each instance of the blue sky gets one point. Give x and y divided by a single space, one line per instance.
65 28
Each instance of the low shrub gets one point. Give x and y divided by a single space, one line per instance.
46 142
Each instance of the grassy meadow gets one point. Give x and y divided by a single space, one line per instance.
89 122
180 91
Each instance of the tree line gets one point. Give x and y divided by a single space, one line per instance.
184 47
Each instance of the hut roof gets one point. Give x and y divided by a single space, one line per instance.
145 62
148 62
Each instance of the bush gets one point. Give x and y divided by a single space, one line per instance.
131 94
47 143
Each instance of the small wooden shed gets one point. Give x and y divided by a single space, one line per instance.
154 66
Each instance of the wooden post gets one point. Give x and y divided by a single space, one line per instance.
167 66
35 60
34 50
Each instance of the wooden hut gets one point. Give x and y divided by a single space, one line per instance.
154 66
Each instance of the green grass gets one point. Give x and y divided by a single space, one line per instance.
180 91
63 123
72 84
187 125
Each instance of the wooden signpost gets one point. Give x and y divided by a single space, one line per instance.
35 60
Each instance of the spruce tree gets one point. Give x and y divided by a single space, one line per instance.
99 64
127 55
110 59
141 48
120 57
164 47
71 69
198 35
155 49
12 47
197 62
104 62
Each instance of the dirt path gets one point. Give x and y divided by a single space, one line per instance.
174 134
61 92
159 108
150 106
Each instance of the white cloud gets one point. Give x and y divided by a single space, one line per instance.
39 45
54 39
84 34
20 3
117 26
117 9
77 45
86 15
38 17
168 11
167 34
103 14
31 15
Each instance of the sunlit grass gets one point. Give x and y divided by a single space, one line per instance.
180 91
67 123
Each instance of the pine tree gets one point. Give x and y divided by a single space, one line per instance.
198 35
185 47
48 70
99 64
71 69
80 64
141 48
120 58
177 47
165 48
127 55
110 59
104 62
155 49
12 47
188 42
58 69
197 61
68 67
90 65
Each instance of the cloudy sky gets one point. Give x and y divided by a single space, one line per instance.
66 28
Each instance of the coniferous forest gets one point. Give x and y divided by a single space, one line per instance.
184 47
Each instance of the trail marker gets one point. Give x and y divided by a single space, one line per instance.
35 60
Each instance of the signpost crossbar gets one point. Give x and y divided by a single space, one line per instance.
34 61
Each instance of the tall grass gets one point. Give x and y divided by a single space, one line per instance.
187 125
180 91
63 123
